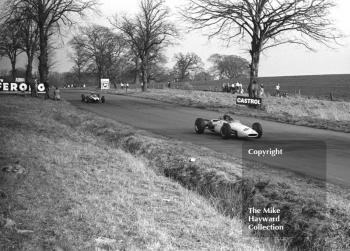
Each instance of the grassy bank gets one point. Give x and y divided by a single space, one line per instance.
319 86
63 188
155 206
297 110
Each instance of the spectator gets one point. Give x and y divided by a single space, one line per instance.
233 88
262 91
47 90
56 93
122 85
237 87
226 87
169 85
35 89
240 88
32 86
278 89
126 87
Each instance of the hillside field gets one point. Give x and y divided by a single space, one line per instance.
313 85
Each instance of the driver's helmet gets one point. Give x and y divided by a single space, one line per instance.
227 117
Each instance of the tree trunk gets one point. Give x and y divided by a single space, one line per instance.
29 67
254 68
43 57
99 76
137 70
79 77
144 74
144 80
13 66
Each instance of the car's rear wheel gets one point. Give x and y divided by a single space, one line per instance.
258 128
82 97
103 99
199 125
225 131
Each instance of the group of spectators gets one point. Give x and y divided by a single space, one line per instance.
74 86
238 88
278 92
233 88
124 86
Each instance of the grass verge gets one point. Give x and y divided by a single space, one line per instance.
311 223
63 188
323 114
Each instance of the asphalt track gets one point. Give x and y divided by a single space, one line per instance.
313 152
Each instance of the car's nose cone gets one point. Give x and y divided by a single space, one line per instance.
250 133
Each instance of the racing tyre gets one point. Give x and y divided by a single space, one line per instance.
103 100
225 131
199 125
258 128
82 97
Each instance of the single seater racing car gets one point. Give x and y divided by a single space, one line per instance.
228 127
92 98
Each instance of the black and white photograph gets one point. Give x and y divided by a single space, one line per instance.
174 125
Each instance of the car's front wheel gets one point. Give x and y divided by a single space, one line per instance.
258 128
225 131
199 125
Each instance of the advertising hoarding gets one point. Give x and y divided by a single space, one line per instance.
13 88
105 84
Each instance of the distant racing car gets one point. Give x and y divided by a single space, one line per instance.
92 98
228 127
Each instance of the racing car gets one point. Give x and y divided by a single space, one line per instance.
92 98
228 127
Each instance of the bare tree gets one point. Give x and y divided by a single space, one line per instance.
147 32
185 64
229 66
10 43
29 40
50 15
101 49
265 23
80 59
27 31
156 70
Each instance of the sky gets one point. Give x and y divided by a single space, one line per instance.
278 61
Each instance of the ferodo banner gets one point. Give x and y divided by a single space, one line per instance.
19 88
241 100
